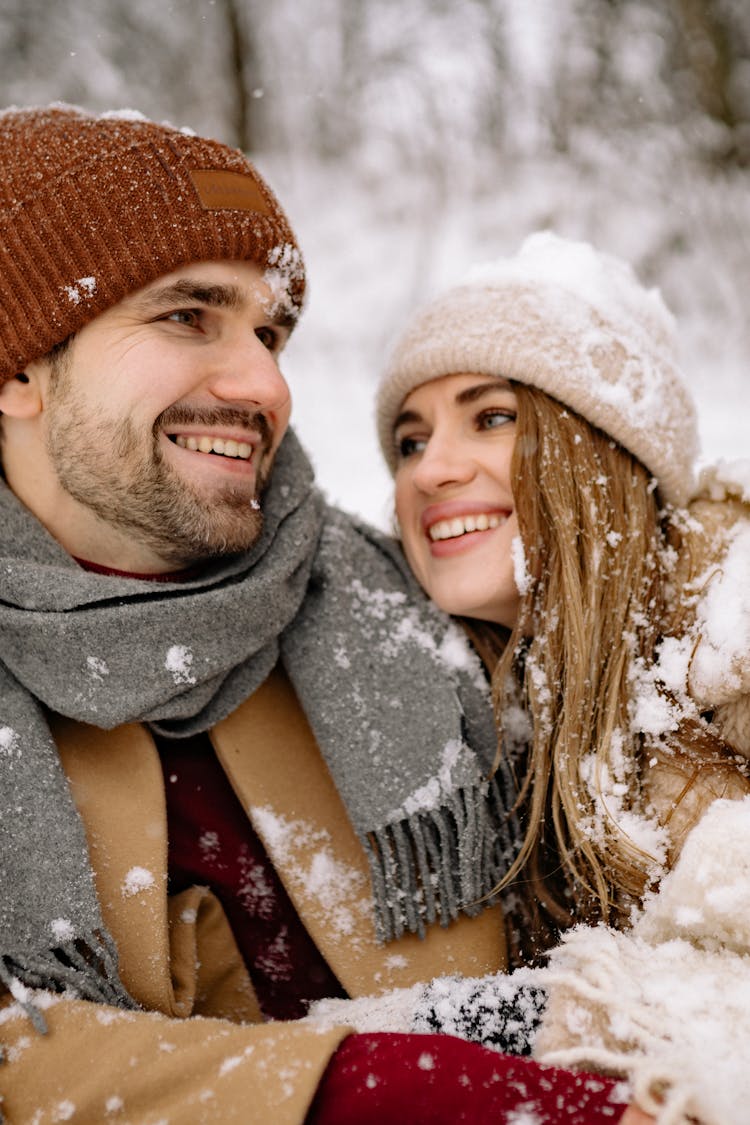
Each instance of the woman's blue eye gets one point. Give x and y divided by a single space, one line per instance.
491 419
408 446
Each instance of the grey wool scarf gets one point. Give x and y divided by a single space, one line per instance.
394 695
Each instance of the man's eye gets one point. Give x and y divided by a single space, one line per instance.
184 316
408 446
492 419
269 338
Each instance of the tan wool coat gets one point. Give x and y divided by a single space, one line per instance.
199 1051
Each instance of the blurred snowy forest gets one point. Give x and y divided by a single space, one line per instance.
409 139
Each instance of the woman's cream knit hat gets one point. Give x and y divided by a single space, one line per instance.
575 323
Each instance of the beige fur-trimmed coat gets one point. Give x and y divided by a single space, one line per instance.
713 577
667 1003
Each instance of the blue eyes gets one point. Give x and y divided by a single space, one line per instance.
409 446
493 419
183 316
269 337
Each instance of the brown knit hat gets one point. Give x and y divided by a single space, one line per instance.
573 322
94 207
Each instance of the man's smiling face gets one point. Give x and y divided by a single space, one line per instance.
160 422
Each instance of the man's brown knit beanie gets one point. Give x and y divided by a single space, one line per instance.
93 208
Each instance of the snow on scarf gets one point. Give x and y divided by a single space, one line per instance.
395 698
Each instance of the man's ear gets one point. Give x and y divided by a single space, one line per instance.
21 396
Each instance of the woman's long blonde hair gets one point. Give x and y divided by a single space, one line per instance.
598 556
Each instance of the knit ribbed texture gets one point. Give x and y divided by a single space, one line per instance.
575 323
93 208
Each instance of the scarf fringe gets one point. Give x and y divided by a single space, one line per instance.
434 865
87 968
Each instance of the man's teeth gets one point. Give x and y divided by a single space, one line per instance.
459 525
227 447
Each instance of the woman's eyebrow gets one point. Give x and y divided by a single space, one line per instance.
471 394
406 416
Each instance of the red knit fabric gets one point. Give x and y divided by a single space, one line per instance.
186 575
440 1080
212 843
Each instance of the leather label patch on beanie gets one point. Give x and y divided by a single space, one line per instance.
219 191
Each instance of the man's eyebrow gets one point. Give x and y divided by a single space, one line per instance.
187 292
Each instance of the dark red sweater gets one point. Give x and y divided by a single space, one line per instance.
212 843
372 1078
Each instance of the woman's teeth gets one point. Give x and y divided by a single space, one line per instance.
227 447
460 525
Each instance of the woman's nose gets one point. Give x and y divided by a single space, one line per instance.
444 462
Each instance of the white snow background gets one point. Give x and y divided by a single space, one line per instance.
409 141
373 258
417 196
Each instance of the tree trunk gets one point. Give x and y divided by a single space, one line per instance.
244 80
708 49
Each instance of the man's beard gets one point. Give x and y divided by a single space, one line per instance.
125 480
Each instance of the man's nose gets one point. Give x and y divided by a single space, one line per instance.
248 372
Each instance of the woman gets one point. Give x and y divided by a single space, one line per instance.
542 442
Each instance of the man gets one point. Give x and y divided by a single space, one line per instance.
243 762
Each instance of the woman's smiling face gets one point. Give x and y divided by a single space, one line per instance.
455 438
